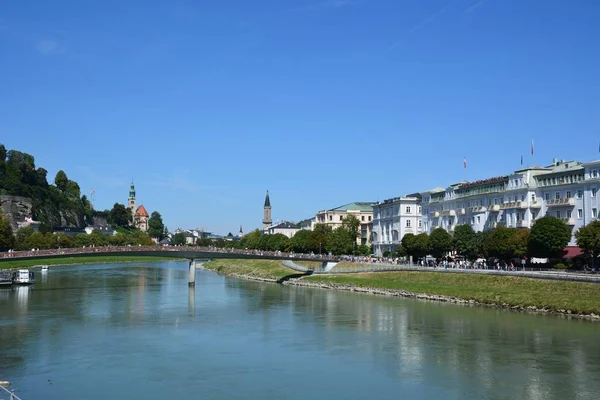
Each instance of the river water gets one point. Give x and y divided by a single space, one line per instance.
136 331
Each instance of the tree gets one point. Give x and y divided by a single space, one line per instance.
178 239
341 241
464 242
440 242
549 237
319 238
251 240
276 242
300 241
7 239
352 225
119 216
408 243
588 238
61 180
421 245
519 243
21 237
156 227
499 242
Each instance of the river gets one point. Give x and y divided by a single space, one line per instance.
135 330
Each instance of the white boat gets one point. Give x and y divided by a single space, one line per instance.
23 277
45 268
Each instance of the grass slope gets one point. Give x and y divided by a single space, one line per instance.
10 264
489 289
265 269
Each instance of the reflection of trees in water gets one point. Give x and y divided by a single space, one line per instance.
496 351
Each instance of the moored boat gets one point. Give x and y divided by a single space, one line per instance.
45 268
23 277
5 278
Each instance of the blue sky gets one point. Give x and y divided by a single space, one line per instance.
207 104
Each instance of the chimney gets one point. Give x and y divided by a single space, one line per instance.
555 161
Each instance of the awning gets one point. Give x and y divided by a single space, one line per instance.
572 252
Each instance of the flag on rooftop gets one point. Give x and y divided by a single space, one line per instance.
465 162
531 146
521 160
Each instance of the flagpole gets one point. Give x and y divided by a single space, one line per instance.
532 153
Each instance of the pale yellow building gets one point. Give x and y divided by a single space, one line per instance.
361 210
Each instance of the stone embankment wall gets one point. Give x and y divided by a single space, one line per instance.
15 209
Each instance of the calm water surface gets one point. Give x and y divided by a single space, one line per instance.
137 331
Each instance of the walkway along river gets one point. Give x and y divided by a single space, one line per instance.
137 331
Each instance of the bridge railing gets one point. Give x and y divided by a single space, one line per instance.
121 249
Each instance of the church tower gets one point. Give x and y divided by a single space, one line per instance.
131 201
267 213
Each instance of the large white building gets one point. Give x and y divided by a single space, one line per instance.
564 189
394 218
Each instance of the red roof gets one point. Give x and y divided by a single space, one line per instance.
141 211
572 252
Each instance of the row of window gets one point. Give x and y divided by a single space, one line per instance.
560 180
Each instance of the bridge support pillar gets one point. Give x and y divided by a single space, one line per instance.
192 274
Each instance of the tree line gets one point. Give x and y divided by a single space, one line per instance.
323 239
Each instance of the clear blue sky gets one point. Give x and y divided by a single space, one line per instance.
207 104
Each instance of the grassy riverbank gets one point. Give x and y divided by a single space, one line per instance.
261 269
11 264
577 297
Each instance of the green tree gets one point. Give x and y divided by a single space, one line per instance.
251 240
73 189
118 240
499 242
300 242
519 243
440 242
341 241
319 239
363 250
421 245
549 236
464 242
156 227
352 226
119 216
588 238
63 241
22 236
7 239
178 239
408 243
61 180
276 242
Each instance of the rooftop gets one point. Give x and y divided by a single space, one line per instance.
286 225
364 206
141 211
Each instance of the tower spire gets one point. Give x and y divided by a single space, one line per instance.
267 222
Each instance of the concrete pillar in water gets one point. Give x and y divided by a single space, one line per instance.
191 300
192 274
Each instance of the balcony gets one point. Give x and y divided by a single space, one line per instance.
568 221
435 214
462 211
478 209
494 207
444 213
535 204
561 202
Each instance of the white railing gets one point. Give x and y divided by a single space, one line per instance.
11 393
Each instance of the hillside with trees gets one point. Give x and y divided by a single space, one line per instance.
54 205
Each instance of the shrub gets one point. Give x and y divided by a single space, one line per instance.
560 266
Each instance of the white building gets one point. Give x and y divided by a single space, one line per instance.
394 218
564 189
288 229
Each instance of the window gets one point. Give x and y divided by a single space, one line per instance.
568 213
557 195
472 220
558 214
594 213
478 219
419 210
595 173
579 193
547 196
408 223
522 197
408 210
568 194
533 197
579 213
362 217
420 224
594 192
369 218
331 217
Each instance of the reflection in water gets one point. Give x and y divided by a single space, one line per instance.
134 323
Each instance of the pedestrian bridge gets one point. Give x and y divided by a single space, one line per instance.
189 252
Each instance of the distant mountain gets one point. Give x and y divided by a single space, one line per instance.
54 205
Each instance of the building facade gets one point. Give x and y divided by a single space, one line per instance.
288 229
394 218
139 215
563 189
362 210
